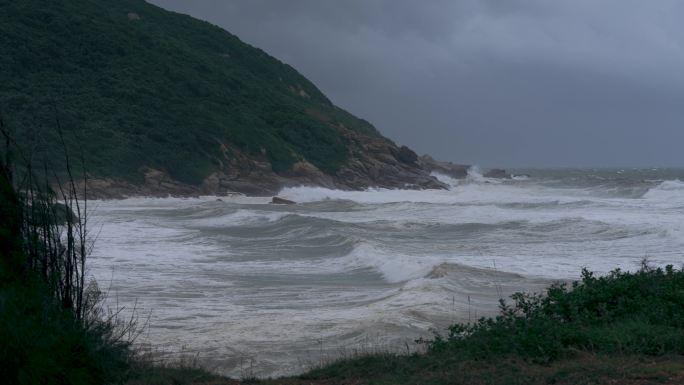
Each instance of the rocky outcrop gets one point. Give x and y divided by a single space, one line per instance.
406 155
159 186
377 162
373 161
458 171
282 201
497 173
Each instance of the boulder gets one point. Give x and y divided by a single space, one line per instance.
497 173
458 171
282 201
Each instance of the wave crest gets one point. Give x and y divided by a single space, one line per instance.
669 191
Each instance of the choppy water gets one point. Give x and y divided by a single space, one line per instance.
261 289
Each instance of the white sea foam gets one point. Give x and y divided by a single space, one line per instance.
240 217
449 181
475 175
394 266
520 177
345 265
671 191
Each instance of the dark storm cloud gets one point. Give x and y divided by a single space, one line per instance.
510 83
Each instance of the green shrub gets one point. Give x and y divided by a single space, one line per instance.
622 313
620 328
41 343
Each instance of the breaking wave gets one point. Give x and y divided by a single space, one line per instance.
667 191
384 262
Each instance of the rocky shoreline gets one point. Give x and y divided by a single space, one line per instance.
380 164
373 162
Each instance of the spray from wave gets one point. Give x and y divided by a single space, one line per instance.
667 191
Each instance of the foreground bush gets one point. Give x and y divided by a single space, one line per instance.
53 328
622 328
623 313
43 344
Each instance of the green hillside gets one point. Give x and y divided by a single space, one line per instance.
134 85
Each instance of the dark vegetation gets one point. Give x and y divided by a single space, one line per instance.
139 86
639 313
53 326
620 328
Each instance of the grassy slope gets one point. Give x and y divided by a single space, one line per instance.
162 91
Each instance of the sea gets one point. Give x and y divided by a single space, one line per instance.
252 289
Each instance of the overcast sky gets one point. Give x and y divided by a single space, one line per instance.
490 82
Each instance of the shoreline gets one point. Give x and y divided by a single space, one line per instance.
261 181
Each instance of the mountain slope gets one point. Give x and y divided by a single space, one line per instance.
167 103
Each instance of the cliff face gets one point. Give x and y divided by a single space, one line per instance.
160 103
374 163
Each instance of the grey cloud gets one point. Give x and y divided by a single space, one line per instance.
510 83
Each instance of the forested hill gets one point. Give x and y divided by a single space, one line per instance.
165 103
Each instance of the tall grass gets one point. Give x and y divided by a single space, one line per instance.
54 327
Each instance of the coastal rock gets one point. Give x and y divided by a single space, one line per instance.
375 164
250 187
156 184
406 155
497 173
282 201
458 171
372 162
